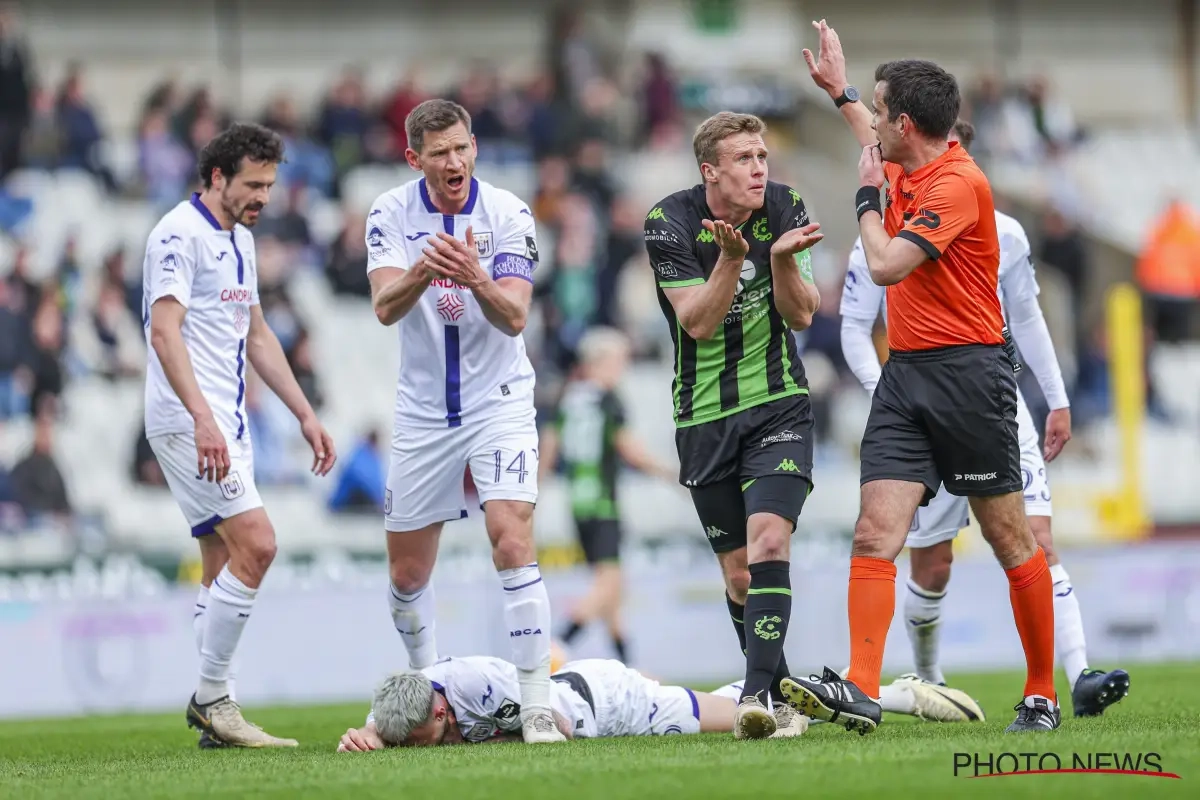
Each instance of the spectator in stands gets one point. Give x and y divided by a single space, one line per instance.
625 242
16 379
15 91
199 105
1168 270
82 139
43 143
114 272
25 293
343 123
109 339
479 95
360 488
307 163
1064 251
545 117
146 469
37 483
660 112
571 290
289 226
554 182
69 276
49 338
592 178
407 95
164 164
346 268
299 357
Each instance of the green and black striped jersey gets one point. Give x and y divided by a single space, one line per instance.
588 421
752 359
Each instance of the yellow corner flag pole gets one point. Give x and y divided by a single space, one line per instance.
1124 511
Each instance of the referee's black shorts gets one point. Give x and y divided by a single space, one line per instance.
945 415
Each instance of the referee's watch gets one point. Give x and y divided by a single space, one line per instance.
848 95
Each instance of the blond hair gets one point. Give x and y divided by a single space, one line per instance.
719 127
600 342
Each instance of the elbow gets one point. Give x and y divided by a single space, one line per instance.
697 331
384 315
884 276
516 326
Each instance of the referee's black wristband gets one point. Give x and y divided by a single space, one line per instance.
866 200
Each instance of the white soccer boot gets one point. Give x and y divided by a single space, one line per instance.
223 720
538 727
753 720
788 722
937 703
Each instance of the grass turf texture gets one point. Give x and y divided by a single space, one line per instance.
156 756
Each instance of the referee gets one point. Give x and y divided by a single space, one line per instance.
733 280
946 403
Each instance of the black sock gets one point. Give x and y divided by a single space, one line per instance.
570 632
737 613
768 609
619 645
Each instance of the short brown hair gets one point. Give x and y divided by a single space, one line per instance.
718 128
433 116
965 132
922 90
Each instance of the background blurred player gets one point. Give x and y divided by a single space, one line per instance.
944 411
589 433
732 283
203 325
475 699
936 525
451 259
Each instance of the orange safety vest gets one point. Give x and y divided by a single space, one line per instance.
1170 262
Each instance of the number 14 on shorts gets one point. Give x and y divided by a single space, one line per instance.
508 465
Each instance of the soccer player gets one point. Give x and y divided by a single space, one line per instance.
451 259
734 279
476 699
203 326
945 409
589 431
934 528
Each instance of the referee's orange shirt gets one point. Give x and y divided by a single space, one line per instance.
946 209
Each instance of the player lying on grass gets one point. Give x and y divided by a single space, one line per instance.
471 700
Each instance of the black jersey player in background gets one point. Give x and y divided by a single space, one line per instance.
589 436
733 281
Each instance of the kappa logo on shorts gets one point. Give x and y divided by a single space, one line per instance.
232 487
787 465
713 532
779 438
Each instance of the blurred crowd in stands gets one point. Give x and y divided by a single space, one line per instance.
565 124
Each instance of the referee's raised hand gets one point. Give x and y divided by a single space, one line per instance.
728 238
828 67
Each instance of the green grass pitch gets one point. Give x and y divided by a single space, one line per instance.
155 756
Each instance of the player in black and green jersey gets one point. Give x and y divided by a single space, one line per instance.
589 434
734 279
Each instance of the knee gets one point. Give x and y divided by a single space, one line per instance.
512 547
870 539
409 574
260 553
932 571
771 542
737 583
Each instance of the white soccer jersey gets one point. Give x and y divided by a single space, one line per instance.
863 299
483 692
212 272
456 367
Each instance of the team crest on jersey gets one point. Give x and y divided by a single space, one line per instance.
387 502
375 236
232 487
241 320
483 243
451 307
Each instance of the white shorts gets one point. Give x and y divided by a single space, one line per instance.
425 482
628 703
947 514
204 504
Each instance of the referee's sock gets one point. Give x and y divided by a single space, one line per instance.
1031 591
737 613
871 606
768 610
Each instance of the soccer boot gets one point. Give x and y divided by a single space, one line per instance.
788 722
753 720
1035 713
210 742
939 703
833 699
222 720
538 727
1095 691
